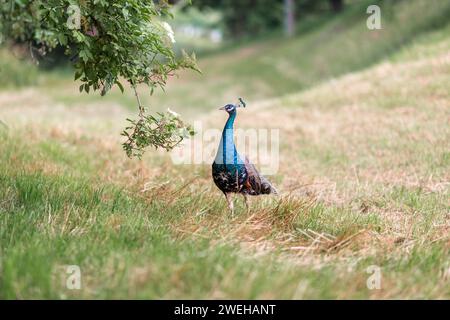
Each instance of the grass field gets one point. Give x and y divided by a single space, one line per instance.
364 176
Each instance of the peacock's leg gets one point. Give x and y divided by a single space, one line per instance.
230 202
246 201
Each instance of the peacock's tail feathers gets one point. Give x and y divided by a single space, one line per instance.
267 188
256 184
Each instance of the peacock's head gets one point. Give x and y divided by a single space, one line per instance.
230 108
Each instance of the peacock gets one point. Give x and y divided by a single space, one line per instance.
230 173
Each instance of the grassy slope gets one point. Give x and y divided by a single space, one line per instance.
331 47
364 163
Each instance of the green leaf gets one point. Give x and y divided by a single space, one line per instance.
120 86
78 74
62 39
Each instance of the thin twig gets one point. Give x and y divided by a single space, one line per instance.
141 108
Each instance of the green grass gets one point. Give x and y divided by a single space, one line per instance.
125 249
112 236
363 176
15 71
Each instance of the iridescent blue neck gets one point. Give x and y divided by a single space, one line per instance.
227 153
230 122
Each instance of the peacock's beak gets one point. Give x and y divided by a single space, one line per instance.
222 108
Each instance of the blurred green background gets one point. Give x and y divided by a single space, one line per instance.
256 49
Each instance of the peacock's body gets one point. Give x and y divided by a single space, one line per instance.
230 173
